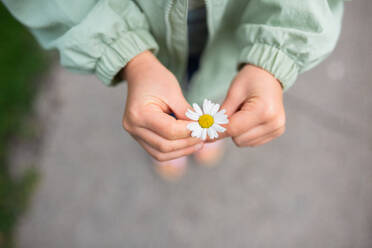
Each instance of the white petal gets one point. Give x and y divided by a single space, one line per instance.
197 132
218 128
193 126
221 120
205 102
214 109
192 115
211 105
206 106
204 134
215 132
197 109
212 133
223 111
220 117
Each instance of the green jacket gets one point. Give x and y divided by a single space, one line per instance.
285 37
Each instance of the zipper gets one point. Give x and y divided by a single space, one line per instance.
209 20
179 56
167 24
186 50
183 54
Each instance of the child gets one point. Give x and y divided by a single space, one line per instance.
244 53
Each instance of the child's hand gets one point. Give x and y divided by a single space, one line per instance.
254 105
153 93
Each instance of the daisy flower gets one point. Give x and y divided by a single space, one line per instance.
207 121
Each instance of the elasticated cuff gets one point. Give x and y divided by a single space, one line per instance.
120 52
272 60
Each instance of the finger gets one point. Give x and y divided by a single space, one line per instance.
160 156
233 100
163 145
265 138
242 121
255 133
165 125
220 137
261 141
179 105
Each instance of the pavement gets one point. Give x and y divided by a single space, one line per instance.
312 187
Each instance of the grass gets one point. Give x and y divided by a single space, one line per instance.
21 62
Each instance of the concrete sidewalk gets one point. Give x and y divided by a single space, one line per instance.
310 188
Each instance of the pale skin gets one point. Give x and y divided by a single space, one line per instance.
254 105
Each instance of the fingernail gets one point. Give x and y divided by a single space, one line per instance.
198 146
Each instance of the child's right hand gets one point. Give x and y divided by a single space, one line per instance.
154 93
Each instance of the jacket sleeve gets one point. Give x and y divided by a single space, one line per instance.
93 36
288 37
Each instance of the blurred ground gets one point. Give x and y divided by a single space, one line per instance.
310 188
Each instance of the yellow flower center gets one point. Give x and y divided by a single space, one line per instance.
206 121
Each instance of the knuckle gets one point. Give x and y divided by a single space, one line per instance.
190 142
172 132
159 157
164 147
266 110
256 144
278 122
232 130
269 112
134 116
238 143
280 132
158 145
126 125
260 143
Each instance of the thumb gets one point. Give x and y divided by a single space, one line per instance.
179 105
234 99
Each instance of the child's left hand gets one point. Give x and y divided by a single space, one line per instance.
254 104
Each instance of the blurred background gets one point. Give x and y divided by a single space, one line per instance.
71 177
